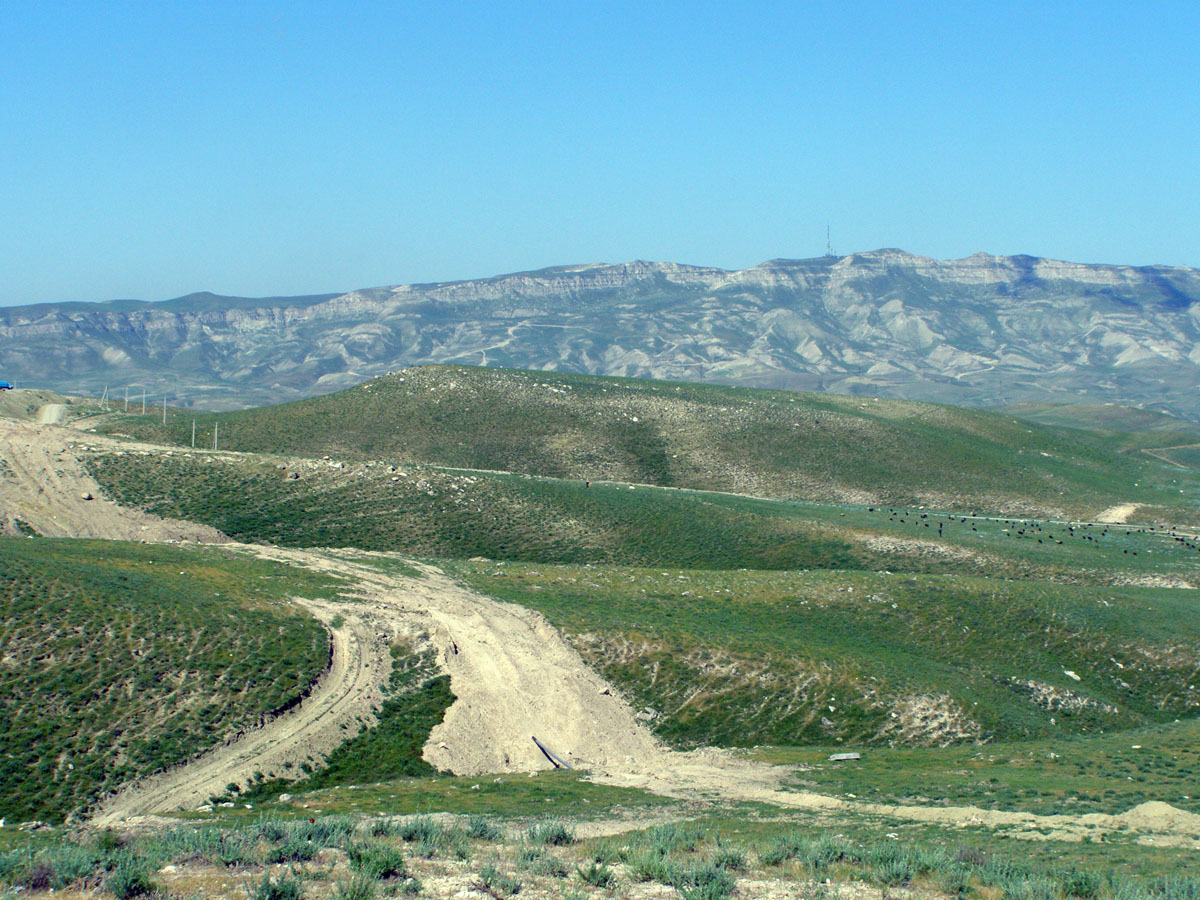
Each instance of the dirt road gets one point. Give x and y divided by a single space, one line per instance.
43 485
348 691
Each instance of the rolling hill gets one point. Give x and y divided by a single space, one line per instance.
774 444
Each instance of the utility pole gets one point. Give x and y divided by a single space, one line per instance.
164 409
104 398
193 434
126 398
216 431
143 399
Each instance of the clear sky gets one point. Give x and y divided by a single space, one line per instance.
152 149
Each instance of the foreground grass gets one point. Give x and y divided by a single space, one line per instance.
121 659
707 858
742 658
775 444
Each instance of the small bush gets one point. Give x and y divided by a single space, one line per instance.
650 865
1082 883
385 828
129 879
285 887
783 848
456 844
420 829
271 830
597 875
554 833
358 887
482 828
293 849
378 861
491 879
703 881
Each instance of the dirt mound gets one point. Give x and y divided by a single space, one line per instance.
1157 816
513 675
1119 514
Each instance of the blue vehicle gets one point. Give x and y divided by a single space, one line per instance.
6 386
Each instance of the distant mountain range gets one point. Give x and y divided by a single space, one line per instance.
985 330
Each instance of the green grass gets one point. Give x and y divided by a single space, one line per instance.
742 657
445 513
120 659
557 793
418 698
768 443
1067 775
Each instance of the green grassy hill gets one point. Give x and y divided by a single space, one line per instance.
1123 427
121 659
439 513
775 444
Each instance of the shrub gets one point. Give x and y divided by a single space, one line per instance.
358 887
703 881
419 828
597 875
293 849
129 879
285 887
492 880
783 848
482 828
378 861
553 832
647 864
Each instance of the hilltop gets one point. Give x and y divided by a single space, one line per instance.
984 330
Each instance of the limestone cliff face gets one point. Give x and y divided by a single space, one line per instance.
984 329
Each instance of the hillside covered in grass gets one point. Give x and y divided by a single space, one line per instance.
743 658
121 659
777 444
430 512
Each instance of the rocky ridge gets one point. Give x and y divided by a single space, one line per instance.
980 330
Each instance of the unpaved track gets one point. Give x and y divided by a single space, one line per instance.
43 484
514 676
349 690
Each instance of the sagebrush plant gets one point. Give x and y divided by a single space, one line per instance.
287 886
597 875
553 832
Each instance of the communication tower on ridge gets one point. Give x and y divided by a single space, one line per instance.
828 246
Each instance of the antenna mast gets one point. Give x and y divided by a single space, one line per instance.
828 246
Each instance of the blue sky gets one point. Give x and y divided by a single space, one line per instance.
254 148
